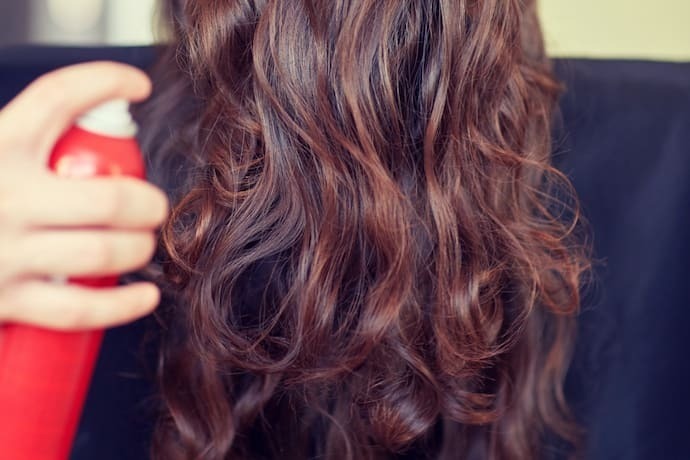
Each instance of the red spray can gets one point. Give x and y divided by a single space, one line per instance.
44 374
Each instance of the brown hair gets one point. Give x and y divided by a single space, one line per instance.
369 252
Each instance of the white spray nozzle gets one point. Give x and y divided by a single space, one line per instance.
111 118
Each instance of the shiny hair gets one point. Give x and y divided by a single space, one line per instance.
370 254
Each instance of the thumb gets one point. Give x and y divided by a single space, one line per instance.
35 119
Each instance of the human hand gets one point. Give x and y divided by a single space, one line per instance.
52 226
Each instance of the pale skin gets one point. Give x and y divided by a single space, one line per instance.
59 227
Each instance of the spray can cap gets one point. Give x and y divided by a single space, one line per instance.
111 118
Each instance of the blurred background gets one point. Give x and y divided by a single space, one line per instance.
583 28
93 22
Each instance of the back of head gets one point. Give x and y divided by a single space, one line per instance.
369 252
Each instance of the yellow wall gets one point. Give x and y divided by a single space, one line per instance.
652 29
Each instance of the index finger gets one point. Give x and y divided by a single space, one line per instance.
35 119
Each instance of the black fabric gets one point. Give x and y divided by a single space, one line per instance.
626 147
625 143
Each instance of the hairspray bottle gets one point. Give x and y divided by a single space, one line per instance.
45 374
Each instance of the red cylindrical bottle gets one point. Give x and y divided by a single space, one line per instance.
44 374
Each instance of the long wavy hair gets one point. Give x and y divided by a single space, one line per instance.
369 255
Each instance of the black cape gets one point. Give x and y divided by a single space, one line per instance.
625 143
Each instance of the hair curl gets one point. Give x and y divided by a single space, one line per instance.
369 253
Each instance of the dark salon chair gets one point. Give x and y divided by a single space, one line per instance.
624 140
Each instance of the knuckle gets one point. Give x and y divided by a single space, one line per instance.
14 300
97 253
13 252
112 202
6 255
6 213
76 311
52 90
73 318
8 208
7 303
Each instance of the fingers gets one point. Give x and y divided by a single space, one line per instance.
36 118
44 200
78 253
70 307
52 226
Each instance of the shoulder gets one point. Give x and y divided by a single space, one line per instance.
624 140
19 65
623 77
639 106
624 133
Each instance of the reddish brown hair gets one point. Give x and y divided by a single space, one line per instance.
369 252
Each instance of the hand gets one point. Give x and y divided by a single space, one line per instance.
57 227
